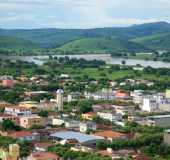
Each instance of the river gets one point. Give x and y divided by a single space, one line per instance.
105 57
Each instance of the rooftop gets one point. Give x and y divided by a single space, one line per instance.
45 156
159 116
75 135
110 134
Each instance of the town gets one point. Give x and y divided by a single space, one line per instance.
75 109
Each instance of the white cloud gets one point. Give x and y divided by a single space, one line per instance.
81 13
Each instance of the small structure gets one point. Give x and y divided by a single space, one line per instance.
84 127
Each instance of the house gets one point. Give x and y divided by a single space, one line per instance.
110 116
42 147
83 139
43 156
84 127
17 111
12 118
122 94
150 104
111 135
123 110
137 96
57 121
71 124
32 120
88 116
8 83
24 135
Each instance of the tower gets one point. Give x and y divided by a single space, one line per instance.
60 99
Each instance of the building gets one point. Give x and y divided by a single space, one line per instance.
123 110
71 123
17 111
104 94
57 121
30 121
89 116
60 93
137 96
43 156
12 154
84 127
168 93
111 135
167 137
122 94
24 135
112 117
160 120
150 104
83 139
12 118
8 83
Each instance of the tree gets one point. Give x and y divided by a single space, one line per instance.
43 113
85 106
123 62
9 125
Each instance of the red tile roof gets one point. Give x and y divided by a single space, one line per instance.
45 156
111 134
19 134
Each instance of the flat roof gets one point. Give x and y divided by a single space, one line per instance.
75 135
159 116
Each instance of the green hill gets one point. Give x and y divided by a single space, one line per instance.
157 41
53 37
101 45
15 43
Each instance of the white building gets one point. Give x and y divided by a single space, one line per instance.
17 111
72 124
112 117
60 93
150 104
84 127
57 121
137 96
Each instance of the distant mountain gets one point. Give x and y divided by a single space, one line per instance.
102 45
14 43
158 41
58 38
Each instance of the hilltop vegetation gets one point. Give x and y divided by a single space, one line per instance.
137 38
101 45
159 41
13 42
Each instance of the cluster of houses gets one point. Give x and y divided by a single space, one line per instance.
83 132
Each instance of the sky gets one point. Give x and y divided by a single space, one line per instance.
81 13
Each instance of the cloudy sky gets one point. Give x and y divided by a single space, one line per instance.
81 13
